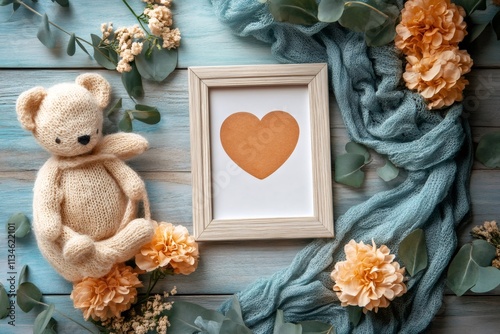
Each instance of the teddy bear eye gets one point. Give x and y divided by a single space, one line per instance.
58 141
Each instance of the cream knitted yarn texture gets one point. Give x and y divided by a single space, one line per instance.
85 197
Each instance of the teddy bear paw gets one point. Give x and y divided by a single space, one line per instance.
78 248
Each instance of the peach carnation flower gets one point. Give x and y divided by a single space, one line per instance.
438 76
108 296
429 24
368 277
171 246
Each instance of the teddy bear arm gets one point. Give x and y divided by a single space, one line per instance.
46 202
123 145
128 180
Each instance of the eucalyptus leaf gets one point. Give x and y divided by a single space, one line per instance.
475 30
208 326
51 327
102 55
117 106
294 11
229 326
6 2
44 33
16 6
280 327
362 16
483 252
125 123
495 23
4 302
43 319
132 82
330 10
234 312
70 50
484 16
352 147
355 313
156 64
22 275
21 225
28 296
183 314
469 5
488 150
463 271
413 252
489 279
347 169
382 34
388 172
148 117
316 327
82 47
63 3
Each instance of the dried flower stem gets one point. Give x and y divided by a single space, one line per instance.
136 16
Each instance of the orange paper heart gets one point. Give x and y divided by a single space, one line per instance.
259 147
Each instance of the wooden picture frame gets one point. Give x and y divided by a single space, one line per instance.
208 85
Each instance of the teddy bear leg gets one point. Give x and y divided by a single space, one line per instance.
78 248
126 244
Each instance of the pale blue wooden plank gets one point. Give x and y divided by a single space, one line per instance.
205 41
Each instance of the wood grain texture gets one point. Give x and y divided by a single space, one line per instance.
226 266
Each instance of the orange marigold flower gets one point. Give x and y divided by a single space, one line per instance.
171 246
108 296
429 24
438 76
368 277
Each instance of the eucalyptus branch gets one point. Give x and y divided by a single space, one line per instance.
20 2
136 16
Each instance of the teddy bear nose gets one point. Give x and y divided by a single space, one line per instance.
84 140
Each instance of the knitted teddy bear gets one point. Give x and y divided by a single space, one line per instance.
85 197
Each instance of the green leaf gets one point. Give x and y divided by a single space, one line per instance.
182 316
347 169
483 16
125 123
207 326
132 82
70 50
4 302
44 33
475 30
413 252
63 3
234 312
43 319
352 147
383 34
488 150
489 279
280 327
388 172
483 252
355 313
16 5
463 271
156 64
495 23
51 327
294 11
22 275
117 106
232 327
102 55
82 47
362 16
316 327
6 2
28 296
469 5
330 10
148 117
19 224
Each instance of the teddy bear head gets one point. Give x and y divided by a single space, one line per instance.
67 118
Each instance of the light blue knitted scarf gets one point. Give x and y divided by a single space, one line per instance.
378 112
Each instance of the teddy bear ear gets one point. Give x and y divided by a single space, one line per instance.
27 106
97 85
